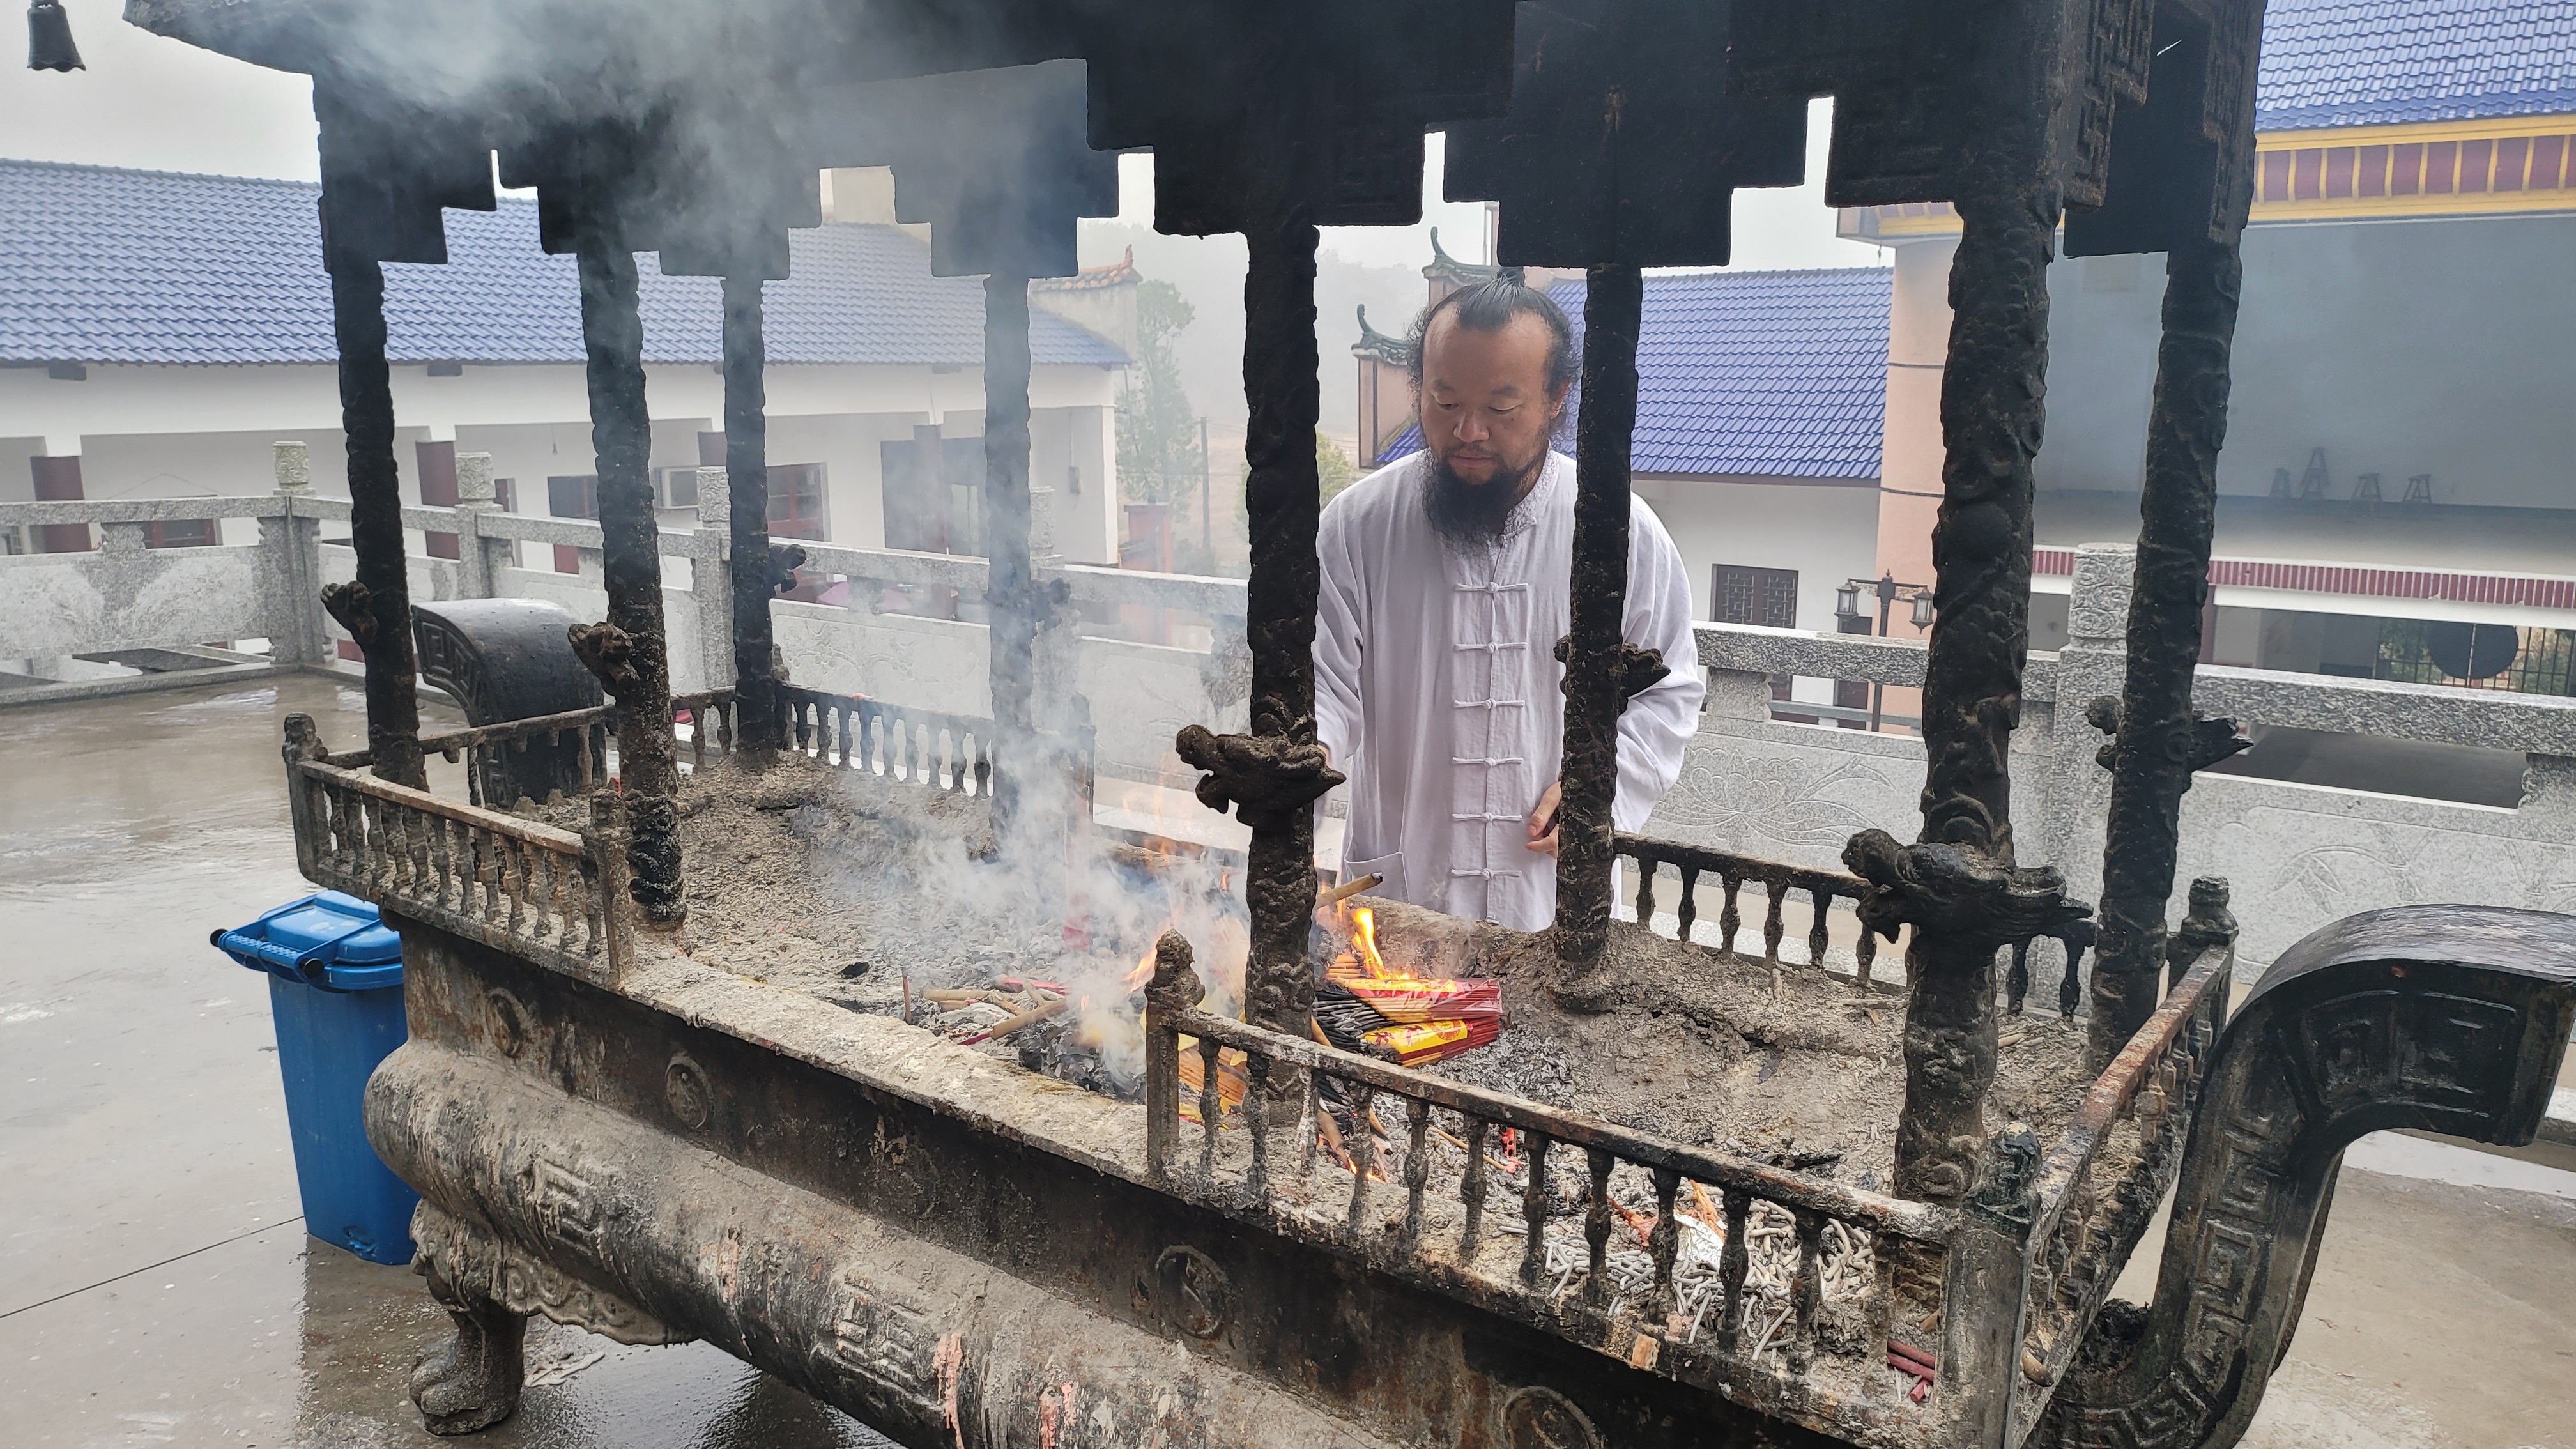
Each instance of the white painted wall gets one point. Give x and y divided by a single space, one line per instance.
1827 533
2400 348
170 432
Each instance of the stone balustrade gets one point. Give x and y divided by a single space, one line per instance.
124 596
2297 855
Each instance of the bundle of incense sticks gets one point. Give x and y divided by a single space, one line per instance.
1429 998
1344 1018
1420 1043
1365 1005
1415 1019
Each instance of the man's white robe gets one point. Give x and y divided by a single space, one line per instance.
1436 688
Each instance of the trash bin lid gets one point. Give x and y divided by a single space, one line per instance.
326 939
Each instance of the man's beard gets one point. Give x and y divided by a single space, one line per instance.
1471 517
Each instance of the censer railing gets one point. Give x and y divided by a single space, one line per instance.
947 752
2096 1190
943 751
1781 883
1771 1254
535 891
1789 1247
939 751
1778 880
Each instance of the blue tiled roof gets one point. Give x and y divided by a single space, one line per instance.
106 265
1766 374
2388 62
1406 444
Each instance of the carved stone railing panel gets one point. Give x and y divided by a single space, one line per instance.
125 595
119 598
2433 713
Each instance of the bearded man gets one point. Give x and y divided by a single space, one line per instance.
1445 591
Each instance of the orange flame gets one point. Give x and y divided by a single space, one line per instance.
1364 937
1135 980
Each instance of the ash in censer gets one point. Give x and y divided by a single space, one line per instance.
888 900
892 899
885 898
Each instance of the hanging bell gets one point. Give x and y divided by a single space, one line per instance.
49 38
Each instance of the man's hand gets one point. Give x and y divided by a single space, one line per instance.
1542 821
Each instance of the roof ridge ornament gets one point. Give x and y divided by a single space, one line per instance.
1444 266
1394 351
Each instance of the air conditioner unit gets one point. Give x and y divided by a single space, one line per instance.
675 487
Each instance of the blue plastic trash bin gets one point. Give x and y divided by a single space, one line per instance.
335 991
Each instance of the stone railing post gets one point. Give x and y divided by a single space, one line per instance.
1042 505
2074 796
292 465
474 499
122 540
2093 665
711 579
291 564
1739 694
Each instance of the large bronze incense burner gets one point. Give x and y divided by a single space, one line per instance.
611 1127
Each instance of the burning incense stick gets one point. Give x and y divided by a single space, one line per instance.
1347 889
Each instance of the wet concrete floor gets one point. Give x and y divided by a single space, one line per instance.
156 1284
157 1288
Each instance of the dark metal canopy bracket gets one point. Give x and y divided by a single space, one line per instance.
2182 160
1620 151
1269 123
387 172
